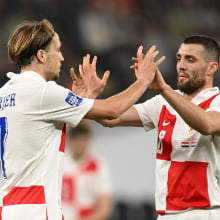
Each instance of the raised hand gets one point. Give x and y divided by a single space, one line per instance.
94 84
88 84
146 66
78 86
158 83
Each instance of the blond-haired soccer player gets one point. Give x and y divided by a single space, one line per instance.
188 124
34 110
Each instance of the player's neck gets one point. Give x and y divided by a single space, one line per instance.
35 68
194 94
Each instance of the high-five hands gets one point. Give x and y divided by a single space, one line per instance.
153 74
88 84
145 64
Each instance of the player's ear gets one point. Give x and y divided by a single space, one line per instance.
41 56
213 67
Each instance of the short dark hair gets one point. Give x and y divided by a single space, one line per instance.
79 130
210 45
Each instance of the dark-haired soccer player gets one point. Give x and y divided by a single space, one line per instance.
33 113
188 124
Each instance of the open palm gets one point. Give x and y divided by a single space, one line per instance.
88 84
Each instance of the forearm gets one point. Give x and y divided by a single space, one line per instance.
113 107
109 123
193 115
91 94
124 100
85 93
128 118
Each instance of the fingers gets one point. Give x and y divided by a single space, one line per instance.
158 62
150 54
73 74
134 66
154 54
86 62
93 64
152 49
89 68
141 56
81 71
139 52
94 61
105 77
135 59
87 59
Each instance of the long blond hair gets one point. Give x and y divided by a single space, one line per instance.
27 38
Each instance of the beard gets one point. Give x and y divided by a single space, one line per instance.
191 85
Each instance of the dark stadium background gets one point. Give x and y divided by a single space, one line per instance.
113 29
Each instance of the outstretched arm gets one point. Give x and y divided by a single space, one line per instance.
128 118
113 107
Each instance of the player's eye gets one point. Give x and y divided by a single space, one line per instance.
191 60
178 59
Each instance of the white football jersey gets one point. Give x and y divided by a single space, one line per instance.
187 162
33 113
83 182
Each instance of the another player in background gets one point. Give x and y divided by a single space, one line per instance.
87 188
188 124
34 110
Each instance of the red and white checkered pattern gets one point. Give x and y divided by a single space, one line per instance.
187 163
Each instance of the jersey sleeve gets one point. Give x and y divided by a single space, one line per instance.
60 104
149 112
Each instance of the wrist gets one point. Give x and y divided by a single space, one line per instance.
91 94
166 88
142 82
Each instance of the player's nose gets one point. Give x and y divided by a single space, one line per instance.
61 57
181 65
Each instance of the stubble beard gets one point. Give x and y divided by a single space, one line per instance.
191 85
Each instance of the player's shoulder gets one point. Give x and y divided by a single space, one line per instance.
28 80
214 99
158 99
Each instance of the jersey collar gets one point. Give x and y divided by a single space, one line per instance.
25 74
205 94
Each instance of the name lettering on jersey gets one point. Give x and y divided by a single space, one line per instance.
7 101
73 99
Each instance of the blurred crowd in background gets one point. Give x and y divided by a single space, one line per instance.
113 30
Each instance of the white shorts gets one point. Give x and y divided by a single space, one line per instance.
196 214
